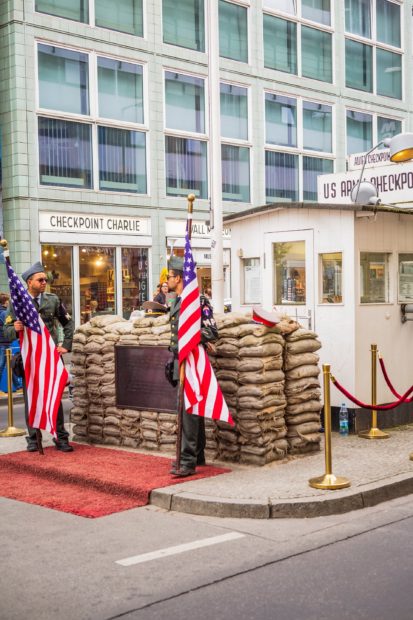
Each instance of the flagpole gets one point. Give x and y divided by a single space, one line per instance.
190 206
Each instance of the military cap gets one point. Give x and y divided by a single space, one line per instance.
176 263
36 268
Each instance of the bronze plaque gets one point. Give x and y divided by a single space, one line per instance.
140 379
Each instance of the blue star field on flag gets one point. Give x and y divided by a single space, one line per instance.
24 308
189 264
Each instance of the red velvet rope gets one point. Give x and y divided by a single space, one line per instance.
389 383
376 407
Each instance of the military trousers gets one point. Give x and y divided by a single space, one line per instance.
62 434
193 440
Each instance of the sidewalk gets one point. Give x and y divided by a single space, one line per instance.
379 470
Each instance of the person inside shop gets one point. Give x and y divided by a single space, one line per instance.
160 297
193 426
4 343
51 310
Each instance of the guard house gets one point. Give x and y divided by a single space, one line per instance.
344 271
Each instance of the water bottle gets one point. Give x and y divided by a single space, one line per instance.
343 419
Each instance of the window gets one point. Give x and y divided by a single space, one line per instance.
122 160
374 277
316 54
388 23
65 153
252 280
120 90
281 176
186 167
312 167
234 111
183 23
359 73
135 279
78 10
97 281
405 278
331 267
286 6
233 31
317 127
280 120
387 128
358 17
389 72
184 102
289 270
317 10
235 173
63 80
123 15
57 261
359 132
280 44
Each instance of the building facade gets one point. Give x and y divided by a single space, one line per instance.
106 124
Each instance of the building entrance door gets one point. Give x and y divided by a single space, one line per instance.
289 274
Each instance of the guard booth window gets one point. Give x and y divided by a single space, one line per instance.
289 271
331 278
374 277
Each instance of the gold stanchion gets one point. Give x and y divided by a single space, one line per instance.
10 431
329 480
374 432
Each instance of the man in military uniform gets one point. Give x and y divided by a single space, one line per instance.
51 310
193 426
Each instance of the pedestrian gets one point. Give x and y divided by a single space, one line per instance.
193 426
4 343
51 310
161 296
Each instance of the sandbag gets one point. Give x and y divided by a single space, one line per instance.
302 359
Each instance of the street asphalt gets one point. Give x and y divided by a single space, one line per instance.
378 470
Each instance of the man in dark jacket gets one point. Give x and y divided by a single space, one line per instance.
4 343
51 310
193 426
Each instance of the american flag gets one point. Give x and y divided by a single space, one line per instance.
202 393
44 371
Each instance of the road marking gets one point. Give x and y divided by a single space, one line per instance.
162 553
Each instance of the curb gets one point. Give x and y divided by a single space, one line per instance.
325 505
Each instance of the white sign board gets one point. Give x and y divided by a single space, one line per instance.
90 223
377 158
394 184
200 230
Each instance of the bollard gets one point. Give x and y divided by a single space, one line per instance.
374 432
10 431
329 480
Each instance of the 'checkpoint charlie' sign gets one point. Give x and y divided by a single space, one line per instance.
394 184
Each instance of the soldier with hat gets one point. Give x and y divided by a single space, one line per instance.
193 426
51 310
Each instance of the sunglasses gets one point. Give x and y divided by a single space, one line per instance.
42 280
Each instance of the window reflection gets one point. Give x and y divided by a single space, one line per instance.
97 281
57 261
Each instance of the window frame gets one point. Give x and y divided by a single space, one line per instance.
375 116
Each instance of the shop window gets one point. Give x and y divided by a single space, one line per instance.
331 266
281 176
374 277
65 153
120 90
186 167
280 44
389 73
123 15
235 173
312 167
184 102
63 79
406 278
97 282
233 31
289 270
57 262
135 279
359 132
183 23
316 54
78 10
251 280
122 160
317 127
234 111
280 120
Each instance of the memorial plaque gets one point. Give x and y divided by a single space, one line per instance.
140 379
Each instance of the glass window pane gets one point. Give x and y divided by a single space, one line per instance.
135 279
288 6
252 280
120 89
97 282
289 272
312 167
281 176
235 173
317 10
331 278
63 79
358 17
233 31
183 23
389 74
387 127
359 132
234 111
280 120
75 9
122 15
316 54
317 130
406 278
388 22
374 277
65 153
186 167
57 261
184 102
359 72
280 44
122 160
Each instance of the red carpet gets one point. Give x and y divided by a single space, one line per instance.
89 482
